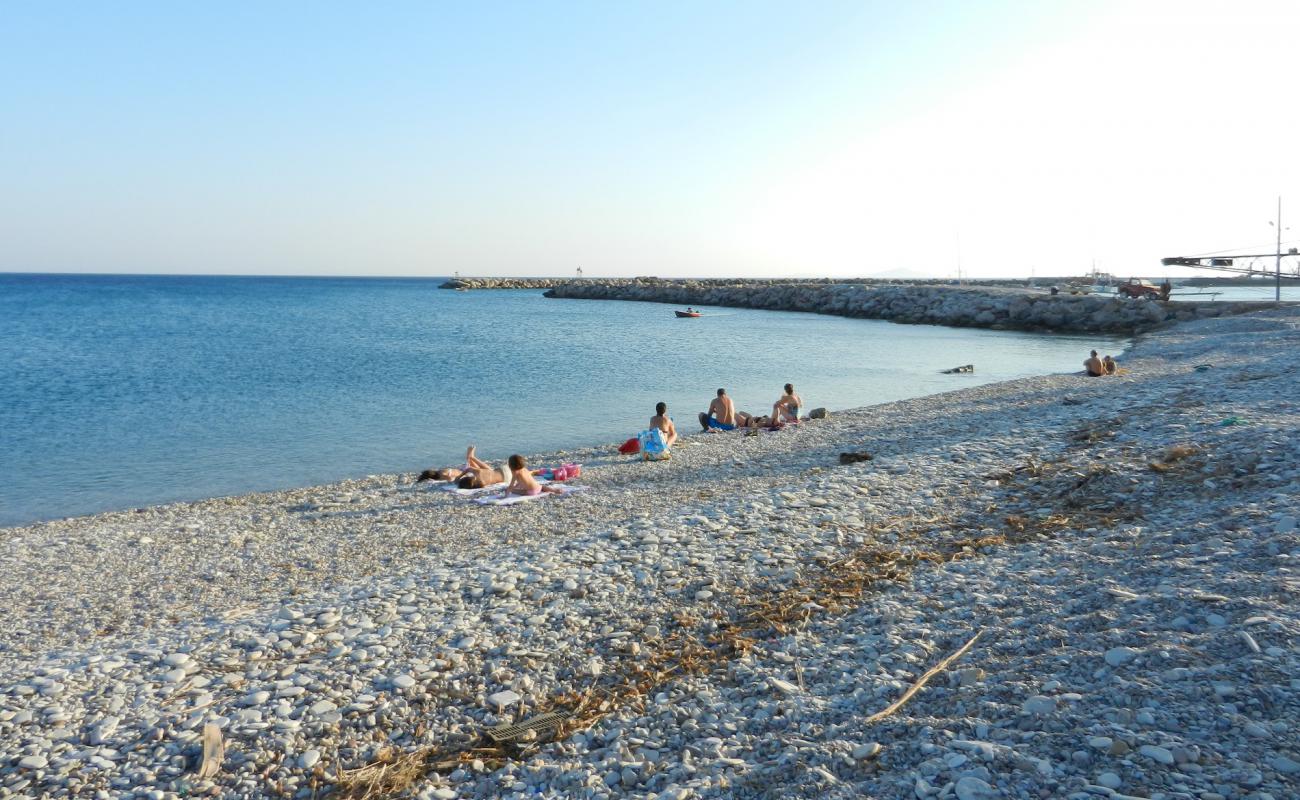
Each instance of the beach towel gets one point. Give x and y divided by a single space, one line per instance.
497 500
496 487
630 447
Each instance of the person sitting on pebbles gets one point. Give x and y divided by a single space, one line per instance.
522 480
786 409
1109 366
659 438
1093 366
721 415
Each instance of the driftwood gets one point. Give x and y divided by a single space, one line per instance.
214 752
924 679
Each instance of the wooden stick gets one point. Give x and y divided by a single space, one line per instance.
920 684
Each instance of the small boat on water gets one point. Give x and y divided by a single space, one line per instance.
687 313
1093 283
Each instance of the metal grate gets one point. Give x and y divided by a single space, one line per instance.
541 722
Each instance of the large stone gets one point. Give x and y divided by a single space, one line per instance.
503 699
972 788
1156 753
1121 655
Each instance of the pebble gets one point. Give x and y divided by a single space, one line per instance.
1117 656
972 788
502 699
1156 753
321 707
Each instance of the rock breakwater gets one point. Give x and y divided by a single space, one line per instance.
503 283
958 306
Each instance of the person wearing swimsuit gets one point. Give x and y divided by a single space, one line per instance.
1093 366
664 423
787 408
522 480
478 473
721 415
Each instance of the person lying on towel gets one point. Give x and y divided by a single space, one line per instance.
479 473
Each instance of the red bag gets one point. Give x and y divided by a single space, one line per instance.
630 447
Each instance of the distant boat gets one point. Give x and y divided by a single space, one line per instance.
687 313
1093 283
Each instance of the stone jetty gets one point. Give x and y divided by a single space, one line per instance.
996 307
502 282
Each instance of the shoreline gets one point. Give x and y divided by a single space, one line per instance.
240 514
405 610
128 512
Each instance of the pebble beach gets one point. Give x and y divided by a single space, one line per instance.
1078 588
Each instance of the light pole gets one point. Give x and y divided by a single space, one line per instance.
1277 266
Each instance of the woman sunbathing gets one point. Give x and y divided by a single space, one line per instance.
479 473
442 474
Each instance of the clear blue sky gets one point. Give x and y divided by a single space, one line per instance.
750 138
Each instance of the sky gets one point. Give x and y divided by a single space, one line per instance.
762 139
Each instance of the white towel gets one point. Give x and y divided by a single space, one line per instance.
520 498
496 487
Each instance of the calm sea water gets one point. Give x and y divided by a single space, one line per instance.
120 391
1290 292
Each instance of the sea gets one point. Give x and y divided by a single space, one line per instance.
120 391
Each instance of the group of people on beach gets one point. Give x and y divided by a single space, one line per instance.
1096 367
656 442
477 474
723 416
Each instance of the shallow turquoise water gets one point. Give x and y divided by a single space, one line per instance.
119 391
